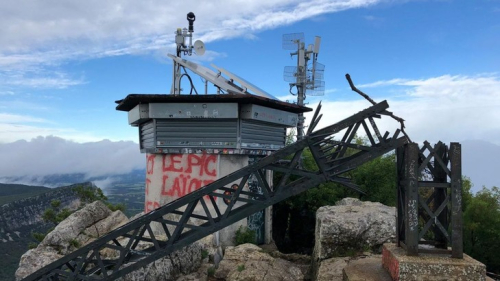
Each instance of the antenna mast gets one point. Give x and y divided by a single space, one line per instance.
307 75
186 48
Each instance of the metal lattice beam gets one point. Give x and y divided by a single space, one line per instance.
175 218
429 198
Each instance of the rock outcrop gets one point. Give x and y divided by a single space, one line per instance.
249 262
182 262
80 228
92 222
331 269
352 226
349 228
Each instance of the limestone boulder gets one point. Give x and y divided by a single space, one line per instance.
79 229
352 226
249 262
200 275
183 262
331 269
92 222
71 231
35 259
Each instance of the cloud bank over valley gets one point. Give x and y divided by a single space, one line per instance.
48 156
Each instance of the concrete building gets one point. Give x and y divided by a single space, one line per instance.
193 140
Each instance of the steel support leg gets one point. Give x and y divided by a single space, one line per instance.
411 199
456 200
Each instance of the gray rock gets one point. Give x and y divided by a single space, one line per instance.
370 268
349 202
80 228
171 267
331 269
114 220
35 259
249 262
200 275
69 229
351 227
303 262
92 222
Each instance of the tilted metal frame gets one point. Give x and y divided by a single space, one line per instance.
89 262
430 198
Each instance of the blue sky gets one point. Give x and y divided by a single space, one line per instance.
64 63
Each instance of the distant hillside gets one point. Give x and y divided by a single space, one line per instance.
14 192
18 219
119 188
61 179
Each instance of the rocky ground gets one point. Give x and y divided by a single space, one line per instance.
345 233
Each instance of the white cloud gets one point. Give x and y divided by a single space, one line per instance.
396 81
52 155
330 91
38 79
15 118
6 93
289 98
37 36
105 183
447 108
40 33
25 105
208 56
26 128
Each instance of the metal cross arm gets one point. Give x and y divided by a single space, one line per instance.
198 214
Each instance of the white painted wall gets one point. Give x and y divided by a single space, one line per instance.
170 176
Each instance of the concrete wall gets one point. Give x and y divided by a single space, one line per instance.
170 176
227 165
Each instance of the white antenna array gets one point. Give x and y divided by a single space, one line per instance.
308 75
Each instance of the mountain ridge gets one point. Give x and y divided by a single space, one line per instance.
19 219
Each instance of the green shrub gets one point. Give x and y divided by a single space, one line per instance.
49 215
244 235
74 243
88 194
204 254
116 207
55 203
211 271
241 267
54 215
38 236
63 214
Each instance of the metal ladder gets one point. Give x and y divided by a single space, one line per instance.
332 158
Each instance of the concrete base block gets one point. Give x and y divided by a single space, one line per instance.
430 266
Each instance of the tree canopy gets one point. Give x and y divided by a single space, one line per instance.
482 226
294 218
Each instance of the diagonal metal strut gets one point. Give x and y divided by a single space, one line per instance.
175 218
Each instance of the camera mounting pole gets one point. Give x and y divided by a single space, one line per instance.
181 36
